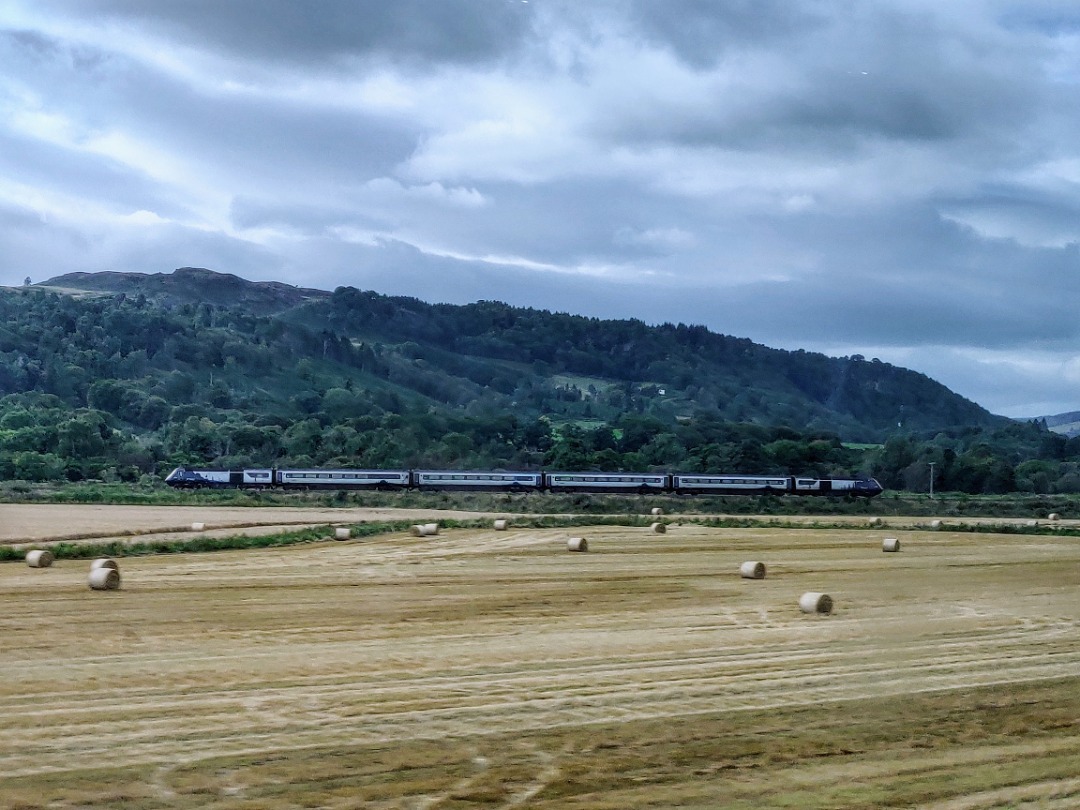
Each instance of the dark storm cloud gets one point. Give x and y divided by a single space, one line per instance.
328 32
240 129
834 83
702 32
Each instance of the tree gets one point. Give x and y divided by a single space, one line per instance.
30 466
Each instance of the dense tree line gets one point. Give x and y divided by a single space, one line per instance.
120 387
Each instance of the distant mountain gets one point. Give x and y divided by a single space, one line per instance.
510 359
1067 424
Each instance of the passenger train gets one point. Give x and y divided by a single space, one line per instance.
498 481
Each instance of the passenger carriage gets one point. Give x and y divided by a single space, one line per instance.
606 482
478 481
342 479
729 484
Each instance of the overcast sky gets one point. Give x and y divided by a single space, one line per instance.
899 180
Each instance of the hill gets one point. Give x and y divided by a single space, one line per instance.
459 354
125 373
189 285
735 378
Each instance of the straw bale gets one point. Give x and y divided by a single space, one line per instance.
198 527
935 524
659 528
752 570
811 602
874 521
424 529
577 544
890 544
104 562
104 579
39 558
1053 516
502 525
342 533
656 510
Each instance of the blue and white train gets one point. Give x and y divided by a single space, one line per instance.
500 481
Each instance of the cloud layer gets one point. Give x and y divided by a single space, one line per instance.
896 179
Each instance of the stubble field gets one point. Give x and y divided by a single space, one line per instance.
497 670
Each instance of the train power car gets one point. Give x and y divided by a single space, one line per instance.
183 478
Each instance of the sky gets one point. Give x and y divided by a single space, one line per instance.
895 179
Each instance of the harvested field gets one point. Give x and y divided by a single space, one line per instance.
28 523
492 669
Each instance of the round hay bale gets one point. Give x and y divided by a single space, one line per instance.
656 510
104 562
501 525
1033 524
39 558
416 530
752 570
104 579
935 524
811 602
659 528
342 533
874 521
430 529
1053 516
890 544
577 544
198 527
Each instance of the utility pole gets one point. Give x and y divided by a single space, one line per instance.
932 463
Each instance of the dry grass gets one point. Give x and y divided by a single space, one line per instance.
491 669
24 522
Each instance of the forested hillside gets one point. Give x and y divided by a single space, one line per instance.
124 375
